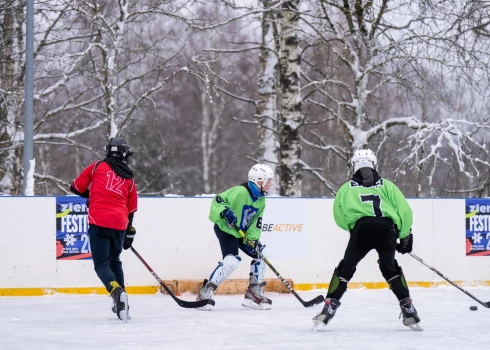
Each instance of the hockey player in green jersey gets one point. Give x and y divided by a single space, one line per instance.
376 214
243 206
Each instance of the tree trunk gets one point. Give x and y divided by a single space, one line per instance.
291 118
11 97
207 145
267 112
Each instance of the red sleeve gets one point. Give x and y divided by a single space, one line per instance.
132 199
83 180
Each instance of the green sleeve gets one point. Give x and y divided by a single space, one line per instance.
403 209
247 211
220 202
338 213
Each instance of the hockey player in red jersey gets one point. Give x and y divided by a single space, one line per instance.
112 203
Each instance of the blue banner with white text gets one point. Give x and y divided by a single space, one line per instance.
478 227
72 241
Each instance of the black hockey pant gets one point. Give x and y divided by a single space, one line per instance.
106 245
230 244
370 233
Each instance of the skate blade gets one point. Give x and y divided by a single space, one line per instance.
124 314
317 325
253 305
416 327
207 307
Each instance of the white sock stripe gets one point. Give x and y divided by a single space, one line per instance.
392 278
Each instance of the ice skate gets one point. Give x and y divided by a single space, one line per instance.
206 292
328 312
410 316
120 299
254 297
114 309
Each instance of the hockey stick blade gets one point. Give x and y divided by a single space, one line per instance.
194 304
180 302
318 300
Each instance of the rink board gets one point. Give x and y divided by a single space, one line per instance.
303 244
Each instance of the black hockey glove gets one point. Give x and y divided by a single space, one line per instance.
229 217
405 245
256 246
128 239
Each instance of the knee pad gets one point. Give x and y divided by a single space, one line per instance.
257 270
230 263
342 274
224 269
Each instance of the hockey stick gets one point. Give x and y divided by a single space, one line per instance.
183 303
487 304
319 299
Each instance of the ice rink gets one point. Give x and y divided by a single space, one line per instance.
367 319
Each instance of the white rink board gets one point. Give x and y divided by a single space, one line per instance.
177 240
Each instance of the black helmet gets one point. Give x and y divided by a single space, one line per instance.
118 147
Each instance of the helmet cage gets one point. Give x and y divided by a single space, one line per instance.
118 147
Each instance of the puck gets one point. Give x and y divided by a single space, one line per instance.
473 308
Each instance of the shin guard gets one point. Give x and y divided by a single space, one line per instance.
338 283
257 270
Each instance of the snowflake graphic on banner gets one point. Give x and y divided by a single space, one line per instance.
70 239
477 237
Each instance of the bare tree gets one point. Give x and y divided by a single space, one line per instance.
11 95
211 114
96 69
267 105
388 56
291 116
203 89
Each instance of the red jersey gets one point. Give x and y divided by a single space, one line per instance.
112 198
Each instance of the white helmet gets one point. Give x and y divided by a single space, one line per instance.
363 158
260 172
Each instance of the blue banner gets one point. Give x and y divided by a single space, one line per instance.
478 227
72 241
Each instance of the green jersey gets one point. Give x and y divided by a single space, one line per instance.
248 212
354 201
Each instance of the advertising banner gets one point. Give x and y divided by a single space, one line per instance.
477 227
72 241
284 229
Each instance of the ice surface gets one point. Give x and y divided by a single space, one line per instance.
367 319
